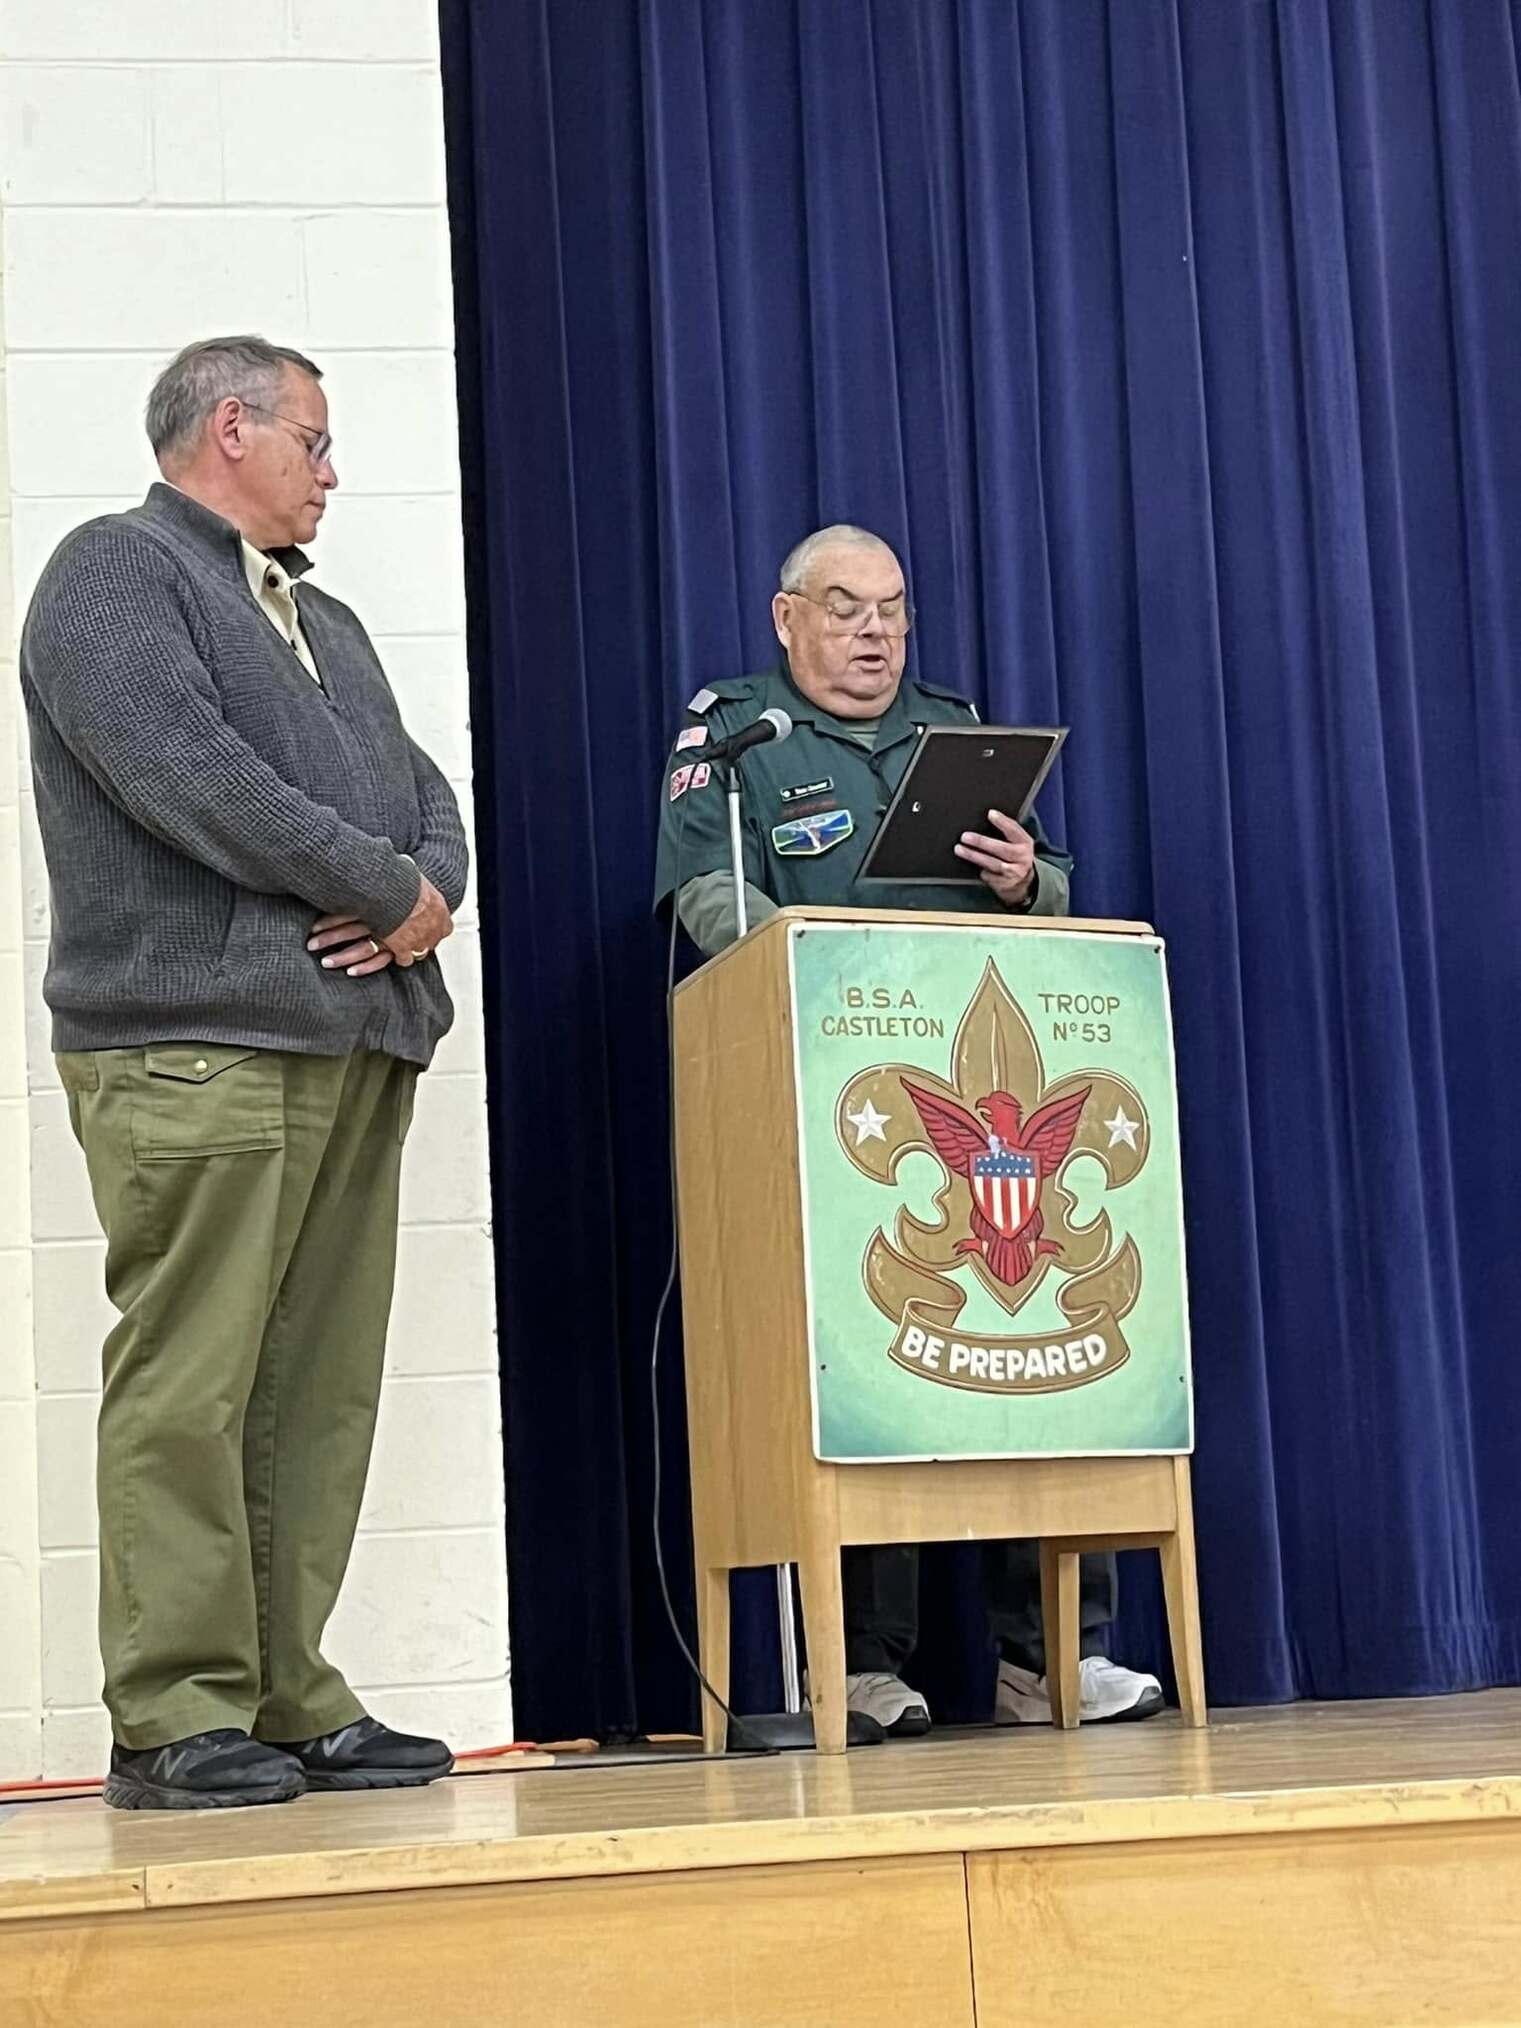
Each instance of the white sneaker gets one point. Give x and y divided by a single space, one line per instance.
900 1711
1106 1692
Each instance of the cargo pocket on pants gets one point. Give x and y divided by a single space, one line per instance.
201 1098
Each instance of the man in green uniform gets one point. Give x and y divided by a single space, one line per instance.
811 806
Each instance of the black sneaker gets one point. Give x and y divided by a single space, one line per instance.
221 1770
369 1755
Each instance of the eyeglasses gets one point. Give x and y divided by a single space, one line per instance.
319 450
845 615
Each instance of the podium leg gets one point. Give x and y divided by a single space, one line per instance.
818 1573
1180 1582
713 1651
1060 1611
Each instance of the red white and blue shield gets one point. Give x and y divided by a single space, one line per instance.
1007 1190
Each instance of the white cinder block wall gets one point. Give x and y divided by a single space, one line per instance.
171 169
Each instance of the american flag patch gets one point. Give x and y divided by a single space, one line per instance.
1007 1189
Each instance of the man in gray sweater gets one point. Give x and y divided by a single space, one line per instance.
252 867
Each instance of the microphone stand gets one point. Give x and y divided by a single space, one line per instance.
730 770
792 1727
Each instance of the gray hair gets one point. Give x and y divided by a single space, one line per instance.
840 534
206 373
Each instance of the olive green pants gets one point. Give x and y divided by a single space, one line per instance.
249 1201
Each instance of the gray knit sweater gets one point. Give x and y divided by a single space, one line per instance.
202 800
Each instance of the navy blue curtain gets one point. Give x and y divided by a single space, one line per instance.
1173 343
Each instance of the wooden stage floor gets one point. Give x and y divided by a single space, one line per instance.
1352 1863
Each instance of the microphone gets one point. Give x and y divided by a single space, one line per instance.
772 724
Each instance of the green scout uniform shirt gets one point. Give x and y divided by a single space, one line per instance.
812 802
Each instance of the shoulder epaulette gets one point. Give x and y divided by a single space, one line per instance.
950 696
725 691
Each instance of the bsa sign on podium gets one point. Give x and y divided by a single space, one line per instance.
991 1205
932 1264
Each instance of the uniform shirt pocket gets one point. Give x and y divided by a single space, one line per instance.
201 1098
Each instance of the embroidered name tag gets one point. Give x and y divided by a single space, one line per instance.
811 835
804 790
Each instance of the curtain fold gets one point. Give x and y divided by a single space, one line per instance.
1171 342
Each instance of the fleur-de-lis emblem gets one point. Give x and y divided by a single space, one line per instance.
1004 1138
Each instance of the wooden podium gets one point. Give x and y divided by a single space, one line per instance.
760 1495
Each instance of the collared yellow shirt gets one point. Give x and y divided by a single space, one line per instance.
272 587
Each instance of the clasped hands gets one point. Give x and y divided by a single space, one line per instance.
1007 862
348 944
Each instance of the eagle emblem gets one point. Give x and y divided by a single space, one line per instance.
1005 1163
1010 1209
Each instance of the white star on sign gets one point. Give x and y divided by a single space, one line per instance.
868 1123
1121 1129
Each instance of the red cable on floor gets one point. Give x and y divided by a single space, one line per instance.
95 1782
42 1788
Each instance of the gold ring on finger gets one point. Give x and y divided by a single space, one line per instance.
374 948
